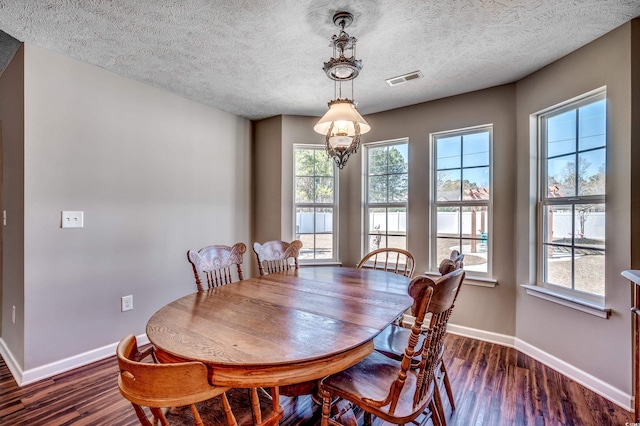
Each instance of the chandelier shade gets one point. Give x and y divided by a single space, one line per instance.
342 114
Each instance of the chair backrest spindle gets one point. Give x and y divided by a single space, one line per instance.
277 256
217 264
389 259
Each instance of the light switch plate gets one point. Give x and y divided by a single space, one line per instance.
72 219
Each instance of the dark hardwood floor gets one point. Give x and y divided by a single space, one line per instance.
493 385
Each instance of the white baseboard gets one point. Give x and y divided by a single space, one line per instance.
45 371
12 364
485 336
598 386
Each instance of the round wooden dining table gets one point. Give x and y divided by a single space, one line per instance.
283 328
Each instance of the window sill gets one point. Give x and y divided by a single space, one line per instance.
310 264
475 281
568 301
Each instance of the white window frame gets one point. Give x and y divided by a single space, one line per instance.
544 200
483 278
365 191
333 205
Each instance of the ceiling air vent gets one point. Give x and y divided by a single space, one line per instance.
394 81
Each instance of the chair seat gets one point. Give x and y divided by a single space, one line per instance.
371 379
393 340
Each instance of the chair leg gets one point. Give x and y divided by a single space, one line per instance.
231 419
435 417
196 415
158 414
255 404
447 385
144 420
438 401
326 408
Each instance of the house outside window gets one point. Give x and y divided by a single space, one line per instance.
386 194
571 208
462 197
315 203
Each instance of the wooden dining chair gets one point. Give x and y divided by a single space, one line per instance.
389 259
453 262
161 386
391 389
392 339
217 264
277 256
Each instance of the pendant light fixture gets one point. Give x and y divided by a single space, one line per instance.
342 125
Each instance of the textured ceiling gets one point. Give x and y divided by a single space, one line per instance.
258 58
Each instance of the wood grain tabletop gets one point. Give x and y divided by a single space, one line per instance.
281 328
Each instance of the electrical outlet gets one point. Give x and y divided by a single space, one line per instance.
72 219
126 303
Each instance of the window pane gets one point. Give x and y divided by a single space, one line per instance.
558 265
575 257
475 255
475 150
589 225
378 161
558 269
324 220
444 246
378 189
324 164
561 172
448 151
324 233
589 270
305 221
591 172
304 190
397 241
398 159
397 221
475 183
448 185
324 190
593 131
474 222
561 134
559 224
448 221
398 188
304 160
377 220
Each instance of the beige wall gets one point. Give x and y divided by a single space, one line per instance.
12 117
155 175
597 347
